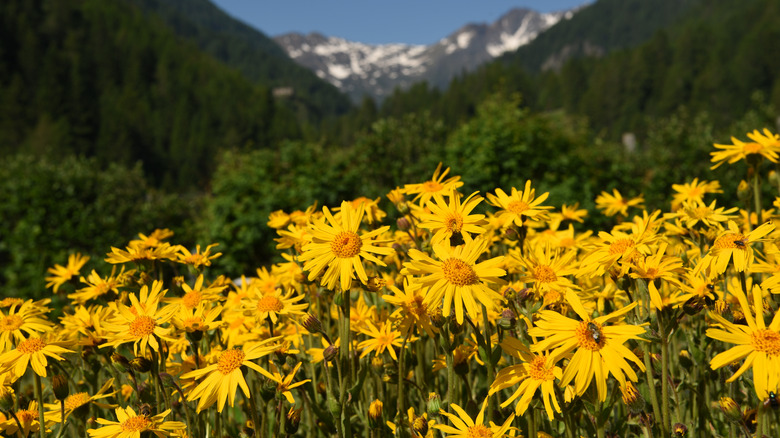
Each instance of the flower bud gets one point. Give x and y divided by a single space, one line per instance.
141 364
293 420
632 398
437 319
375 284
731 409
59 385
508 320
420 425
433 406
403 223
312 324
744 191
268 390
6 398
679 430
377 364
338 298
375 413
120 362
330 353
511 234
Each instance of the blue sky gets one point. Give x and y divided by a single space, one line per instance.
378 22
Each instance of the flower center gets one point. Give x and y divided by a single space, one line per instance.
416 306
767 341
230 361
27 416
76 400
191 299
11 323
620 246
731 241
270 303
589 335
454 223
701 212
432 186
192 324
517 207
538 371
478 431
32 345
457 272
545 274
136 424
346 244
142 326
752 148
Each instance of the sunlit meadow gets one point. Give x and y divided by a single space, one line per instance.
444 314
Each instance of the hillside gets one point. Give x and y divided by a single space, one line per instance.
251 52
100 79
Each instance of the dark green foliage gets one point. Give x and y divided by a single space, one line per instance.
51 208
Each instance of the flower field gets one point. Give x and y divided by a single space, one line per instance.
446 314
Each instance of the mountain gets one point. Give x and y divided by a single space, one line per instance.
361 69
249 51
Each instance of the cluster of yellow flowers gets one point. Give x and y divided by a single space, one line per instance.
473 316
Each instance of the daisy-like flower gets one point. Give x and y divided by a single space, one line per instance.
766 146
198 259
615 203
63 274
536 372
285 383
618 250
141 323
20 319
420 425
658 267
32 351
28 419
693 213
336 249
519 206
97 286
437 184
81 401
138 253
132 425
464 427
85 325
733 245
598 347
195 295
277 304
451 221
457 277
200 319
410 310
223 378
381 339
373 214
547 268
757 343
693 192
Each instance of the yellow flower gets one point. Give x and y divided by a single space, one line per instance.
202 318
451 222
464 427
197 259
336 248
547 268
693 192
275 304
519 206
223 378
437 184
655 268
693 213
28 418
63 274
411 311
732 244
32 351
381 339
196 295
284 384
599 347
141 323
616 204
86 325
371 207
98 286
757 343
766 145
20 319
81 401
536 372
619 250
457 277
131 425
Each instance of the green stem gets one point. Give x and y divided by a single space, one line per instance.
401 379
489 358
253 408
666 425
532 422
39 397
760 420
650 380
346 362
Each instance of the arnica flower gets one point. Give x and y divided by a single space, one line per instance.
131 425
141 323
617 251
457 277
195 295
285 383
32 351
411 312
373 214
97 286
63 274
520 205
693 192
276 304
695 213
336 248
451 221
381 339
20 319
28 419
598 347
437 184
659 267
223 378
419 425
733 245
536 372
80 401
547 268
464 427
757 343
766 146
615 203
197 259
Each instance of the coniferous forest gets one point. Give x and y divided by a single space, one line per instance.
579 238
